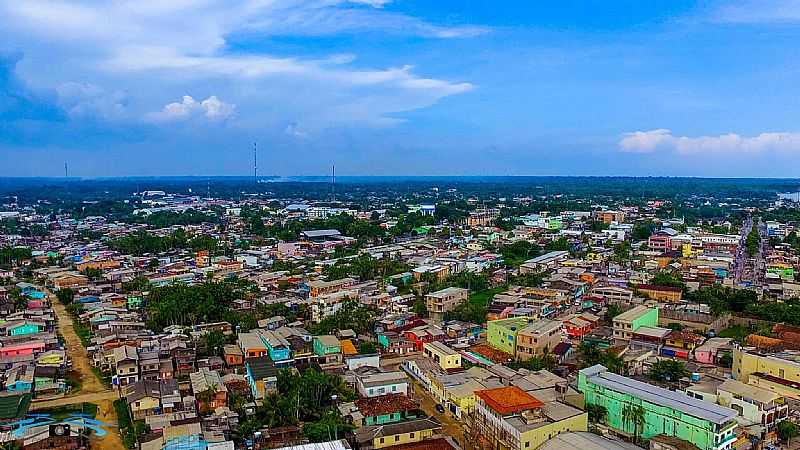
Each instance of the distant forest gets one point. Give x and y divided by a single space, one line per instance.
64 191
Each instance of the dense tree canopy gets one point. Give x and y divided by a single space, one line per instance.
181 304
13 255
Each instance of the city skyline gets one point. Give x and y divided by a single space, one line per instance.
382 87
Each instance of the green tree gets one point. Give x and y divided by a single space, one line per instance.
612 310
597 413
634 415
213 343
667 370
665 278
330 427
65 296
367 348
420 308
93 273
787 431
641 231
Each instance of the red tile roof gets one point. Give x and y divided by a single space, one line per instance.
509 400
385 404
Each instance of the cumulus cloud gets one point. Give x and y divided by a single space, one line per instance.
156 48
211 108
663 140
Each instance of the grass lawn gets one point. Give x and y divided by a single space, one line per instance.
737 332
84 333
483 298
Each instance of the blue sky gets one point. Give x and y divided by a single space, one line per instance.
403 87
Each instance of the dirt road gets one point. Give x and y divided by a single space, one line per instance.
93 390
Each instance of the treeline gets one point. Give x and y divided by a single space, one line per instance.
361 229
181 304
164 219
142 243
352 315
10 256
346 224
365 267
310 399
746 302
13 226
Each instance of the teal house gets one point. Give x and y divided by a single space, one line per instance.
21 328
326 345
384 409
662 412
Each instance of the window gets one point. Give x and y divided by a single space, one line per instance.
381 440
396 437
411 435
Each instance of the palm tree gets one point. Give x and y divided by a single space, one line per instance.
597 413
634 414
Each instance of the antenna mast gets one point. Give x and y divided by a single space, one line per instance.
333 182
255 164
66 170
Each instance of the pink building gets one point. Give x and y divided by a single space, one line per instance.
712 350
27 348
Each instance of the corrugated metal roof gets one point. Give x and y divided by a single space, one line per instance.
659 396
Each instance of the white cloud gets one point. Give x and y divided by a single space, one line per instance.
294 130
211 108
157 48
731 143
758 11
84 100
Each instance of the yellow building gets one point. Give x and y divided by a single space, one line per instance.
399 433
578 421
461 398
444 356
512 419
778 372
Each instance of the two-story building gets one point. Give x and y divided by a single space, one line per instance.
704 424
447 358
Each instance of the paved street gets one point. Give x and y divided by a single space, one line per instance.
450 425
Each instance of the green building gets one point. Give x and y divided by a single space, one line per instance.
630 321
326 345
502 334
704 424
555 223
785 272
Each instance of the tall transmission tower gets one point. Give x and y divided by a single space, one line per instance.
66 170
255 164
333 183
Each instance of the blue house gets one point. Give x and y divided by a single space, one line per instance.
20 378
278 348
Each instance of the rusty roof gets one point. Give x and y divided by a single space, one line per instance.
509 400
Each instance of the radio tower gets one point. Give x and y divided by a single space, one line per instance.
333 183
66 170
255 164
